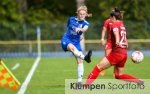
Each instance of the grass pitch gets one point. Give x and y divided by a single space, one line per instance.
49 77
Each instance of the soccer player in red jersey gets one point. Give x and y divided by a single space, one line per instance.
107 27
117 56
108 46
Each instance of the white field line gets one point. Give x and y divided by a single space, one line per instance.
15 66
29 76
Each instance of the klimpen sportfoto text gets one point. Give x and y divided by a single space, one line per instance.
108 86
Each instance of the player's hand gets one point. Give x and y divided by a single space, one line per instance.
103 42
78 30
122 45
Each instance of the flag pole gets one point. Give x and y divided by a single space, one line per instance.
39 41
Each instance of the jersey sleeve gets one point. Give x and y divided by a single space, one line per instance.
87 23
115 27
106 23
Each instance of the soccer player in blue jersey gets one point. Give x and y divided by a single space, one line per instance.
76 26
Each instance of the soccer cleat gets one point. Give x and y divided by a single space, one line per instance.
87 58
141 84
78 86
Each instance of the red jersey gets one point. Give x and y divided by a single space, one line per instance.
107 25
118 56
119 26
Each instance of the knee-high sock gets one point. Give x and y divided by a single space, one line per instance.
78 54
93 75
127 77
80 72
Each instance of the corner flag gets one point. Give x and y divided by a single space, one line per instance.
7 78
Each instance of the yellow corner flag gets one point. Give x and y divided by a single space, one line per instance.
7 78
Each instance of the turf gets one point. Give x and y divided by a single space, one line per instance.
49 77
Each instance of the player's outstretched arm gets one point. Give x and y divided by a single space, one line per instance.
85 28
103 35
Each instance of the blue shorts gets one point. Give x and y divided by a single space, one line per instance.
65 42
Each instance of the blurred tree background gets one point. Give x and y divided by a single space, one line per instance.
19 18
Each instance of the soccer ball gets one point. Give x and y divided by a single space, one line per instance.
137 57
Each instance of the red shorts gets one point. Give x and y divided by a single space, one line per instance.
108 46
117 58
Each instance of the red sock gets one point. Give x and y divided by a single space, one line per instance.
127 77
93 75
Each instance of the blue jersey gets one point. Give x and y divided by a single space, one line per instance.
72 24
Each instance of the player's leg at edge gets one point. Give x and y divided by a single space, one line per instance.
104 64
80 68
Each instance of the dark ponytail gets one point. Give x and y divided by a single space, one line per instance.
116 13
